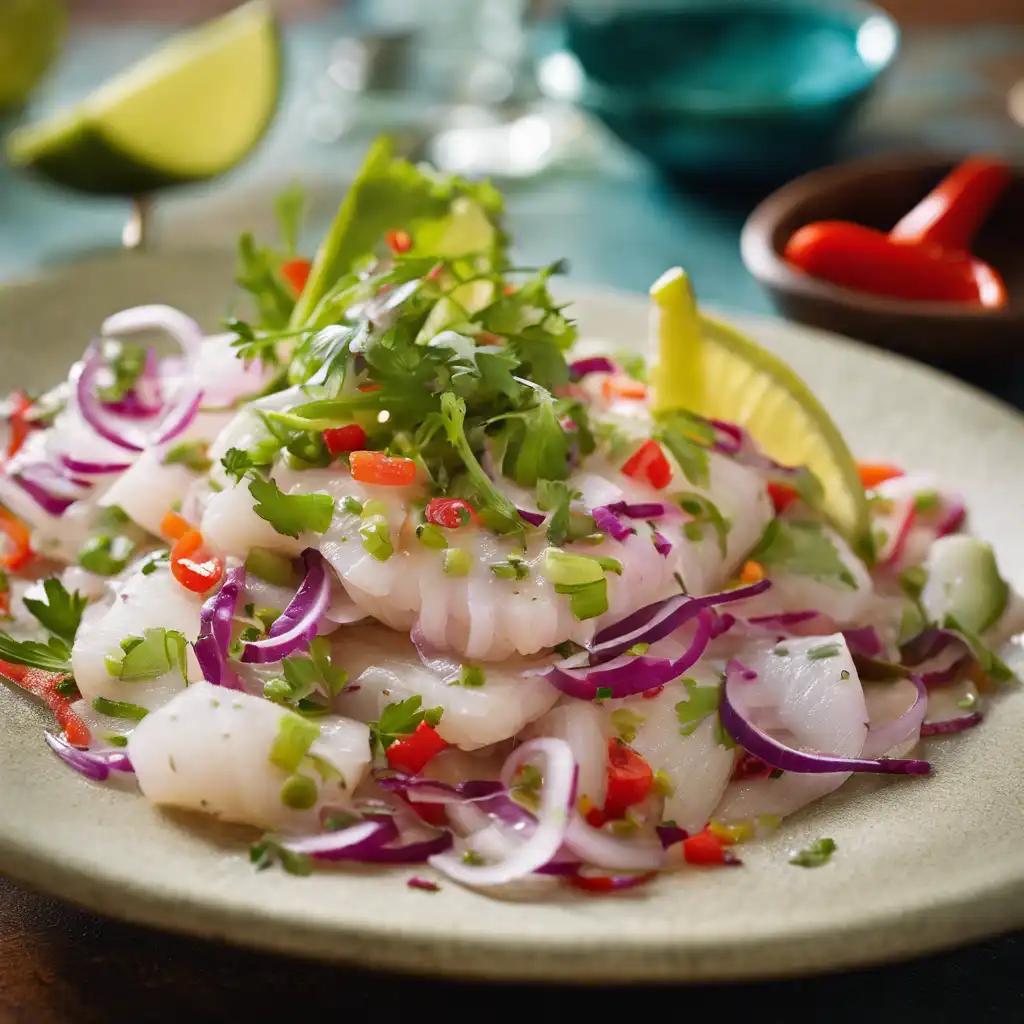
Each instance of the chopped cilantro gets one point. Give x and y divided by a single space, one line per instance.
626 723
472 675
125 364
106 556
802 549
117 741
291 514
269 851
304 675
54 656
691 457
701 701
61 612
402 718
68 687
704 510
153 654
236 463
814 855
604 693
556 497
989 662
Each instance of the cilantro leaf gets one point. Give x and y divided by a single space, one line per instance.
288 209
61 612
291 514
701 701
802 549
690 455
192 454
556 497
236 463
304 675
258 274
269 851
503 516
153 654
126 364
54 656
989 662
704 510
533 444
402 718
119 709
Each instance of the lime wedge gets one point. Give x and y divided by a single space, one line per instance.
190 110
710 369
30 37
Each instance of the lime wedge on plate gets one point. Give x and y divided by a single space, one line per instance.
190 110
710 369
30 36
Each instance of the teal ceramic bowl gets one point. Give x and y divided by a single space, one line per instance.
754 88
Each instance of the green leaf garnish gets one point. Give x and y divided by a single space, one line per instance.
402 718
153 654
702 701
119 709
815 854
191 454
295 735
291 514
802 549
61 612
269 851
54 656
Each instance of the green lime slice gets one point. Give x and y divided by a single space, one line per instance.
30 36
190 110
709 368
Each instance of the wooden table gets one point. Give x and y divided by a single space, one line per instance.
60 965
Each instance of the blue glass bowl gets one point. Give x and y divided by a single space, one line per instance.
740 87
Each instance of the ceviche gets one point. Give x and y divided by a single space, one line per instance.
398 570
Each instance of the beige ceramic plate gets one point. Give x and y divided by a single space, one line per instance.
922 863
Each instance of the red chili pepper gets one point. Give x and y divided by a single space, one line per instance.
17 551
782 495
378 468
605 883
349 438
411 753
874 473
432 814
451 513
296 273
193 566
20 426
630 779
705 848
44 686
750 767
649 463
398 240
173 526
651 694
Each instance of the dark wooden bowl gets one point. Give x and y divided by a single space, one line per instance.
877 192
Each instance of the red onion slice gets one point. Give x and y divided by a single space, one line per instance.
656 621
552 819
865 641
952 725
604 850
533 518
93 468
297 624
879 741
608 523
580 368
357 842
216 617
93 764
786 759
628 675
185 331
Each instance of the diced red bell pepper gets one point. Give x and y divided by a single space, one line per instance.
649 463
349 438
451 513
411 753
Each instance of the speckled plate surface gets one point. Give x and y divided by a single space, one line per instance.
922 863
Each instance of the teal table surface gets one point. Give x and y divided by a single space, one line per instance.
620 224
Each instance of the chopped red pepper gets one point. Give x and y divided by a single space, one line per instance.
20 426
44 686
16 552
874 473
432 814
349 438
651 694
296 273
193 566
398 241
451 513
648 462
378 468
411 753
782 495
606 883
750 767
630 779
705 848
173 526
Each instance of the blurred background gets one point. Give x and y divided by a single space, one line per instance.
628 134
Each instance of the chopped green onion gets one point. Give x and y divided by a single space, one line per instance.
299 792
191 454
119 709
431 536
638 649
352 505
603 693
376 540
457 562
513 568
626 723
117 741
561 567
149 656
374 507
472 675
815 855
824 651
586 600
272 567
926 501
295 736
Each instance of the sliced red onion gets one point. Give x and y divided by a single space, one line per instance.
604 850
628 675
145 399
412 853
865 641
948 675
954 518
93 468
297 624
639 510
178 417
879 741
52 504
546 839
656 621
928 644
661 544
671 834
906 517
721 623
952 725
778 755
609 523
782 620
533 518
579 368
216 617
83 388
357 842
737 443
93 764
185 331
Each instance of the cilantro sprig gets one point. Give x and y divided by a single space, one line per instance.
401 718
